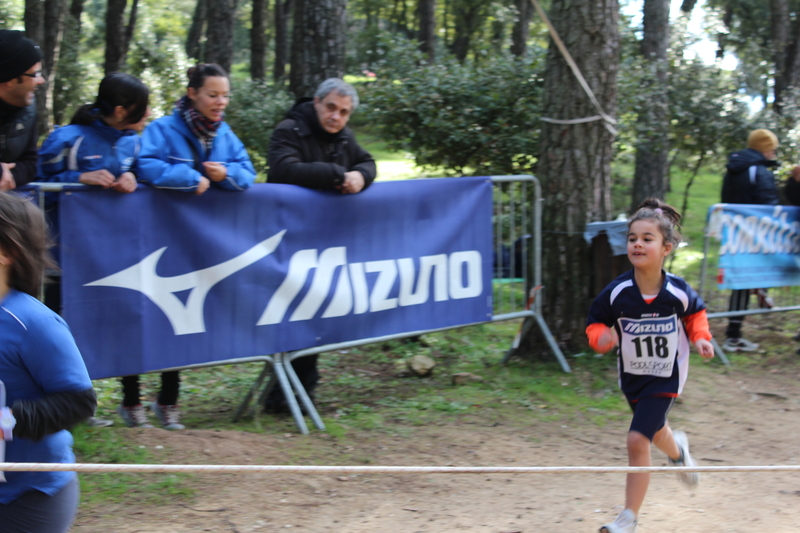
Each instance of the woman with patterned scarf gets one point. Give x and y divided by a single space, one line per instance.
194 147
190 150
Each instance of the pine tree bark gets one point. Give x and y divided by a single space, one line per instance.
652 146
283 12
194 39
258 40
574 163
70 50
44 24
115 35
318 44
521 30
426 10
219 33
469 16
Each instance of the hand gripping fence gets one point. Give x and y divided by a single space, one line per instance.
299 469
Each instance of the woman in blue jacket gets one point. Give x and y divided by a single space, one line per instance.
45 388
100 145
99 148
194 148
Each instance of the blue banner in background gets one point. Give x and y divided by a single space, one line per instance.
760 245
158 279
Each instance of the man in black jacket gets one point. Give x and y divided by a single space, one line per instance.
20 75
749 180
313 147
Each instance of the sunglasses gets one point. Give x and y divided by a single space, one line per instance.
37 74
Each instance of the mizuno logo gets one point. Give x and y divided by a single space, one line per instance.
448 277
636 329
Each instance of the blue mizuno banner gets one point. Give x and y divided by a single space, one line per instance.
760 245
158 279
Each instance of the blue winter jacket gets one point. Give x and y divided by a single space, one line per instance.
72 150
172 156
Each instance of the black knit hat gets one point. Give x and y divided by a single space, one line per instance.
17 54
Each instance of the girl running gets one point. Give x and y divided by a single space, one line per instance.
651 316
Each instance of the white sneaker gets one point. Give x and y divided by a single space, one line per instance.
739 345
625 523
689 478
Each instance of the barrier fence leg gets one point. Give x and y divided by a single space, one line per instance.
253 389
280 372
720 353
526 326
304 399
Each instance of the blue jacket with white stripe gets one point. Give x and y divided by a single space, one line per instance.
172 156
71 150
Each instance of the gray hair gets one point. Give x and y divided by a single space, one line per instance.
341 87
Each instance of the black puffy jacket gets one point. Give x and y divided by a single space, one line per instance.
302 153
749 180
18 140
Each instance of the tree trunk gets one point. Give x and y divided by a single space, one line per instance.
283 10
521 31
194 39
70 51
44 24
258 40
219 33
318 44
780 22
469 15
115 35
426 10
575 160
652 146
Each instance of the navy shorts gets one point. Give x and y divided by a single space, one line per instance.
650 414
36 512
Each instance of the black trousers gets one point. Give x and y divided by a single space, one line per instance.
167 395
738 302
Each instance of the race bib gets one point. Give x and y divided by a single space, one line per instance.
649 345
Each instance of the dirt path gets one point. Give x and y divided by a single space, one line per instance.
731 418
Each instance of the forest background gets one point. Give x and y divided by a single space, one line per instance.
464 87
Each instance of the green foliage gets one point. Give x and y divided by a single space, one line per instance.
11 14
463 118
255 109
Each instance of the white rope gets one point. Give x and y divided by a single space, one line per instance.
297 469
608 120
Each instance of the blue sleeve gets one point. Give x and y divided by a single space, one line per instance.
241 173
696 303
54 156
157 166
51 356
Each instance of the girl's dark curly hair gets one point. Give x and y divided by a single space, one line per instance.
666 216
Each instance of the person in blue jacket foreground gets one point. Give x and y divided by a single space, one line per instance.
189 151
45 388
194 147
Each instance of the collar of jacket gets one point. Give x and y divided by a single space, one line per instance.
10 112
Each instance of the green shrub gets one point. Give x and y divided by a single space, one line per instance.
482 120
255 109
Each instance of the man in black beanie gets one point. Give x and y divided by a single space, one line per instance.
20 75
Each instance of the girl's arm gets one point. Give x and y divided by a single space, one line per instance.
156 166
240 173
699 334
54 158
601 337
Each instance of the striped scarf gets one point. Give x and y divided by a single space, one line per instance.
205 130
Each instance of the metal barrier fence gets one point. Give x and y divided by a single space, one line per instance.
773 300
517 269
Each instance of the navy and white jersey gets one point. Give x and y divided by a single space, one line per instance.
653 344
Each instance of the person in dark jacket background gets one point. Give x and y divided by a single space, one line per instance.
749 180
20 75
313 147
